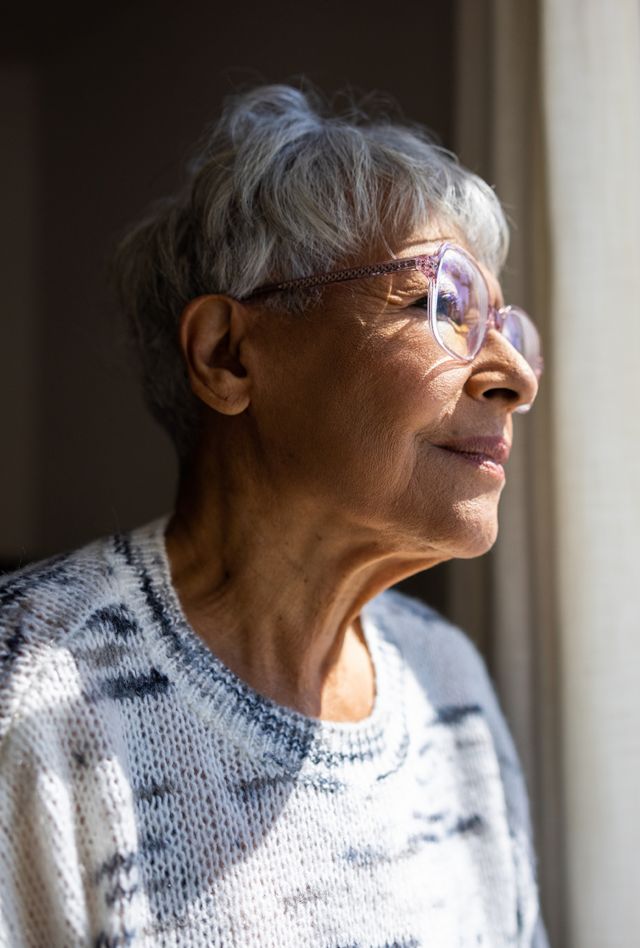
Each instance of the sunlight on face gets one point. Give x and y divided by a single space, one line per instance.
360 408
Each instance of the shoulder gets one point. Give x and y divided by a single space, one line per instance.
43 607
439 654
443 660
448 667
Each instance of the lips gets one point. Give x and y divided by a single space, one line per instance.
490 448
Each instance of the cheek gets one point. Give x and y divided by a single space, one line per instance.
408 399
349 415
382 418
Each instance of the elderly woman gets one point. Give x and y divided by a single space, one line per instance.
221 728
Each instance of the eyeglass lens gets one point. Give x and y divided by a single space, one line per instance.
461 305
462 308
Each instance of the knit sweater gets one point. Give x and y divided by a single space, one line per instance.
150 797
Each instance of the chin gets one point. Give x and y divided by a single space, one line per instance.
470 529
476 534
477 546
447 527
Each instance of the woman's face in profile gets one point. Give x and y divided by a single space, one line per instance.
355 400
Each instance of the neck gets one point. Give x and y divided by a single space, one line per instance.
274 585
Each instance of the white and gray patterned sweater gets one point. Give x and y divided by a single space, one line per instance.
149 797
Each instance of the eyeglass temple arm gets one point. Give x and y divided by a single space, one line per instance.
338 276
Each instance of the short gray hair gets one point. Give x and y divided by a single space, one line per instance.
281 187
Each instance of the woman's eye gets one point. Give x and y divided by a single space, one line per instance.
447 306
422 303
446 300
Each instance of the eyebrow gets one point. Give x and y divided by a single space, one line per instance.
432 240
408 282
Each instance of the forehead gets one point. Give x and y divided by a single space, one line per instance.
426 241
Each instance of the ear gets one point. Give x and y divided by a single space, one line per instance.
211 333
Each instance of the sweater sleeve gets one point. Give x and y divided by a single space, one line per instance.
454 671
67 834
540 939
516 796
68 839
41 886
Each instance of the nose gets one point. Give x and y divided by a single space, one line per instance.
501 374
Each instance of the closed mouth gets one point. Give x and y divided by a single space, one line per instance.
495 449
485 454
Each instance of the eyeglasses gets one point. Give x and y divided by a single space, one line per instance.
457 300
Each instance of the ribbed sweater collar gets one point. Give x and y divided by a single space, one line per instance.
282 739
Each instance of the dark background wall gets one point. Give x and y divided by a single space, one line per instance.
100 106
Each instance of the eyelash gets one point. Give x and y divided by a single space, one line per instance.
422 303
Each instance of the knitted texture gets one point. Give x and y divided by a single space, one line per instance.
150 797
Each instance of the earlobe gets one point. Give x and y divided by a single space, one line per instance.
211 332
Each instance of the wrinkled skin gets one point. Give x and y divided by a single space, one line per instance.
319 480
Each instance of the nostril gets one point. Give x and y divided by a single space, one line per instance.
506 394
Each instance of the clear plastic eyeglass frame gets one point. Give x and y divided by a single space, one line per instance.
429 264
